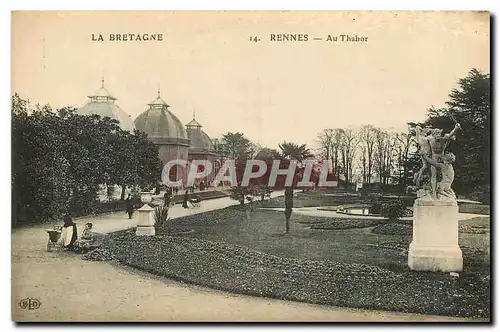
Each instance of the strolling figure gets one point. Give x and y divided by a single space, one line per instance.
186 199
288 207
167 197
129 207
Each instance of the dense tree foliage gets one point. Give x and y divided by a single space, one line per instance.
60 158
295 151
235 146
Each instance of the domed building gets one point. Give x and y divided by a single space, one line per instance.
103 103
201 146
166 131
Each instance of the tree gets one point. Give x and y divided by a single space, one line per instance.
348 147
367 147
325 141
236 146
268 155
292 151
262 183
60 158
384 144
403 144
240 193
330 142
147 167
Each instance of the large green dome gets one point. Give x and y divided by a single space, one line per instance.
161 125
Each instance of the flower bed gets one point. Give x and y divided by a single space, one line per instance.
394 228
344 223
477 225
241 270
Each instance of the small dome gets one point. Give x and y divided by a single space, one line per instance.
103 104
200 141
161 125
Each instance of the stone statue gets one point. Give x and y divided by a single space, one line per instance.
424 149
447 174
434 245
432 145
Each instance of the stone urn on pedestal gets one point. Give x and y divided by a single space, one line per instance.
146 225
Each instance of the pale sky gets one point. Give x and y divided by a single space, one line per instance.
270 91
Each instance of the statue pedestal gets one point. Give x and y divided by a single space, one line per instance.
435 237
146 225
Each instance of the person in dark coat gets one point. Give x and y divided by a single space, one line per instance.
167 197
70 232
129 206
288 206
186 199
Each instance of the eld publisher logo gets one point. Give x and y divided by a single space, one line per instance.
30 304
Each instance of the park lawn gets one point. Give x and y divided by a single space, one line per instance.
264 232
304 201
474 208
315 238
345 267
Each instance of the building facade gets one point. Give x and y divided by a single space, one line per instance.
166 131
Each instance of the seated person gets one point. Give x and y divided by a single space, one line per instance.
69 233
87 239
87 232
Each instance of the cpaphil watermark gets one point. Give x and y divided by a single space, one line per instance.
252 170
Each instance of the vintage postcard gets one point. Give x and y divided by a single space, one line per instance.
250 166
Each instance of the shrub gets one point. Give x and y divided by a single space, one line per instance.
239 193
481 194
393 210
161 217
375 208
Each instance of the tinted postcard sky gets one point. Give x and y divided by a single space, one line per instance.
269 90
